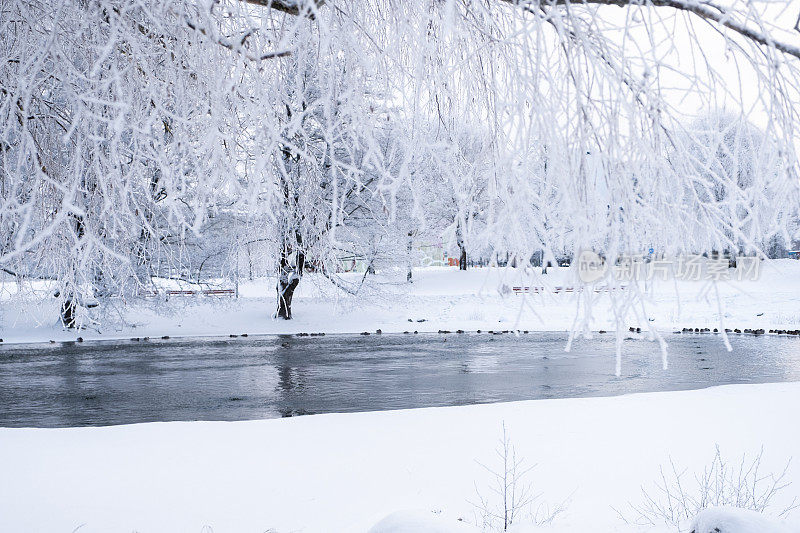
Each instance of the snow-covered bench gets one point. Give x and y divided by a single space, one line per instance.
558 290
520 290
176 292
205 292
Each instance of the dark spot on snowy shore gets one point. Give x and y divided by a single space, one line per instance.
165 337
235 399
285 344
457 331
701 359
304 334
232 336
365 333
244 334
135 339
79 339
478 331
600 332
415 332
706 368
410 320
405 333
443 331
378 332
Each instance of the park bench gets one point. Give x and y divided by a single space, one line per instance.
558 290
205 292
176 292
520 290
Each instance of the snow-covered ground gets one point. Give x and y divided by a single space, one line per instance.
445 298
348 472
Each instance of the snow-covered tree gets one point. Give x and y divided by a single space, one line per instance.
738 187
125 126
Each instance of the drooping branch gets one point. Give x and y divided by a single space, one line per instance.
291 7
239 47
705 10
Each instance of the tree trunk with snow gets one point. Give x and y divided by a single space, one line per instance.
292 256
69 308
290 273
410 250
462 249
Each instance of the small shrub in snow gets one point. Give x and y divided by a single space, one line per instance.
675 500
510 497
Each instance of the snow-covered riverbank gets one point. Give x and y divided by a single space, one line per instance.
439 299
346 472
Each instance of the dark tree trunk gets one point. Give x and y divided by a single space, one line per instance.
286 287
292 259
292 264
69 308
290 272
410 252
462 260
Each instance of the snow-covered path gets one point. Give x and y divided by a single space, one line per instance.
344 472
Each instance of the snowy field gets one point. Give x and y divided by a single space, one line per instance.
348 472
445 298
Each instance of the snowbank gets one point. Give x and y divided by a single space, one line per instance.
439 299
732 520
347 472
421 521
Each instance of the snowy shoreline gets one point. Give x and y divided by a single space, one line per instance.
440 299
221 336
345 472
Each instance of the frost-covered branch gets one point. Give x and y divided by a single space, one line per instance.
706 10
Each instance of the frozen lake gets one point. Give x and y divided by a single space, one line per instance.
105 383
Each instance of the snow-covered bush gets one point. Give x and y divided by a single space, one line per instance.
676 498
509 499
735 520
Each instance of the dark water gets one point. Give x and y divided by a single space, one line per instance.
249 378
